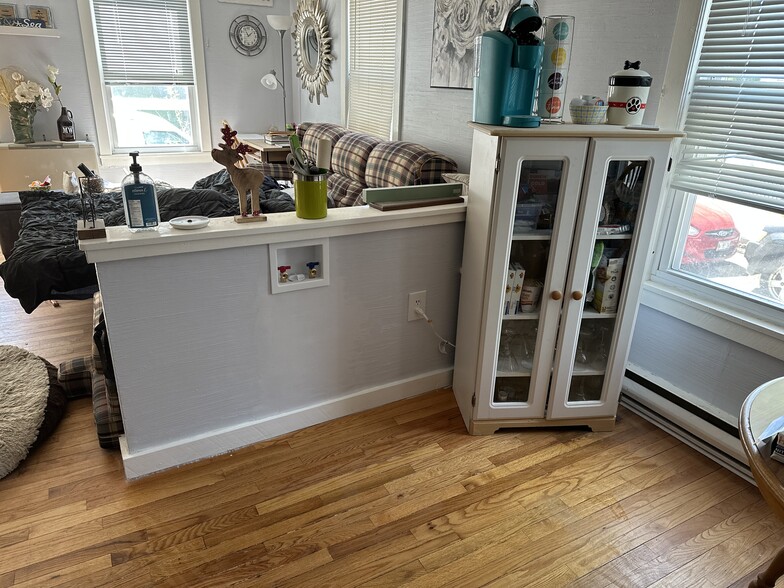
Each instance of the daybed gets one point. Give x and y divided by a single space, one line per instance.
46 262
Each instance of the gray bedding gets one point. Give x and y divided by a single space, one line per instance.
47 263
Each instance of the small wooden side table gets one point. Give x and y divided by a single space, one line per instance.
268 153
760 409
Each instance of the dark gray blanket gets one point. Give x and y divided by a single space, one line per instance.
46 262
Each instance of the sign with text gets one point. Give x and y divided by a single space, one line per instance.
28 23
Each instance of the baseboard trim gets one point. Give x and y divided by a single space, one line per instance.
682 424
222 441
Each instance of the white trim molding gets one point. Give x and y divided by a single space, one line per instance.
225 440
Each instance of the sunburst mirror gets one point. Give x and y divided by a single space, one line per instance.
312 48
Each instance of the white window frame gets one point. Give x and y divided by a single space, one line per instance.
100 95
752 323
397 102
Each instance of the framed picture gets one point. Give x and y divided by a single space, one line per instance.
7 10
455 26
43 13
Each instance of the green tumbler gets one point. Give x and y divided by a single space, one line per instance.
310 195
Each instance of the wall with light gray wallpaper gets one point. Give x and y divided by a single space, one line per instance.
606 34
233 80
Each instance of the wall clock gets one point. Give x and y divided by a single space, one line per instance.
248 36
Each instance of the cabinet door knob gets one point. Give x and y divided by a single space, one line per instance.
577 295
556 295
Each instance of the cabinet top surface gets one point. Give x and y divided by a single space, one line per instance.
572 130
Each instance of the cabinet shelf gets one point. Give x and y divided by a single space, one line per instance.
588 371
589 312
29 32
526 316
518 374
618 237
540 235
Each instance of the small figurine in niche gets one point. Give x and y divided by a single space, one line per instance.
231 155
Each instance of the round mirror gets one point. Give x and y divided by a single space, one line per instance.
312 48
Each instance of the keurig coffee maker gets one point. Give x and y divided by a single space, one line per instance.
506 70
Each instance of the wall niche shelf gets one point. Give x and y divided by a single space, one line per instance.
297 255
29 32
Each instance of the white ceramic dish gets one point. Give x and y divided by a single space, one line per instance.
189 222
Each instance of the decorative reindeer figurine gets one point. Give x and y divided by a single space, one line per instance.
232 152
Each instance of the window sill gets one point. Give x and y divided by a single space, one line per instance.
731 323
121 160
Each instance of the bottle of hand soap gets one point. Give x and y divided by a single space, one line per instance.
139 199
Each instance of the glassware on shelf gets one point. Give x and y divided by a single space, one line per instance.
604 336
586 340
527 346
577 392
507 362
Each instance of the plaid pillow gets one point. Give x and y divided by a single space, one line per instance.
74 376
106 412
318 131
278 171
399 163
350 155
344 191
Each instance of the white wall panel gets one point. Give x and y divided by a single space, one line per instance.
265 353
717 373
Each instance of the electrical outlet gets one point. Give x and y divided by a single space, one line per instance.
416 299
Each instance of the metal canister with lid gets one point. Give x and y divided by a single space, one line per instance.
628 95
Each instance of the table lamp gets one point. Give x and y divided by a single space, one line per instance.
281 23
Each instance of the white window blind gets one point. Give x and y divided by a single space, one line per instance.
373 62
735 116
144 41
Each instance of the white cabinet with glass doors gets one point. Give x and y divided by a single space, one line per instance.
570 209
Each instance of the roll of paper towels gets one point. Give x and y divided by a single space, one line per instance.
323 153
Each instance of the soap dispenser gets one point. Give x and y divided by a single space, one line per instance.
139 199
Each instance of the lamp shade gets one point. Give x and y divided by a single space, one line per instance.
280 22
270 81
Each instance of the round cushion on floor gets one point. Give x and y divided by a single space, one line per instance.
32 403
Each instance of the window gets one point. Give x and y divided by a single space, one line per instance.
373 77
726 232
146 74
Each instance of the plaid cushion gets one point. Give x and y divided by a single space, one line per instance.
318 131
74 376
97 317
344 191
278 171
399 163
350 155
106 412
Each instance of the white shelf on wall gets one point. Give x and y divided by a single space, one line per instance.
29 32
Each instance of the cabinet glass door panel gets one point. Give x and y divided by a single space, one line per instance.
587 379
520 338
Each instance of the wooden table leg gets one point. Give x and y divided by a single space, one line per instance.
774 571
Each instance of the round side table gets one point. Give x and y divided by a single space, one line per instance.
761 415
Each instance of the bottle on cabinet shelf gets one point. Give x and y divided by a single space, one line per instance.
65 125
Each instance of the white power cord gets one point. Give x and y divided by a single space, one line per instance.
442 345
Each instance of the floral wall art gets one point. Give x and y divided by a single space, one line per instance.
456 24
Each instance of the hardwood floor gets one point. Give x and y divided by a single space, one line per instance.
396 496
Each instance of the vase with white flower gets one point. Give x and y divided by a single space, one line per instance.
65 124
23 97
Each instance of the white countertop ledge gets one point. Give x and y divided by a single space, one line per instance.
280 227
